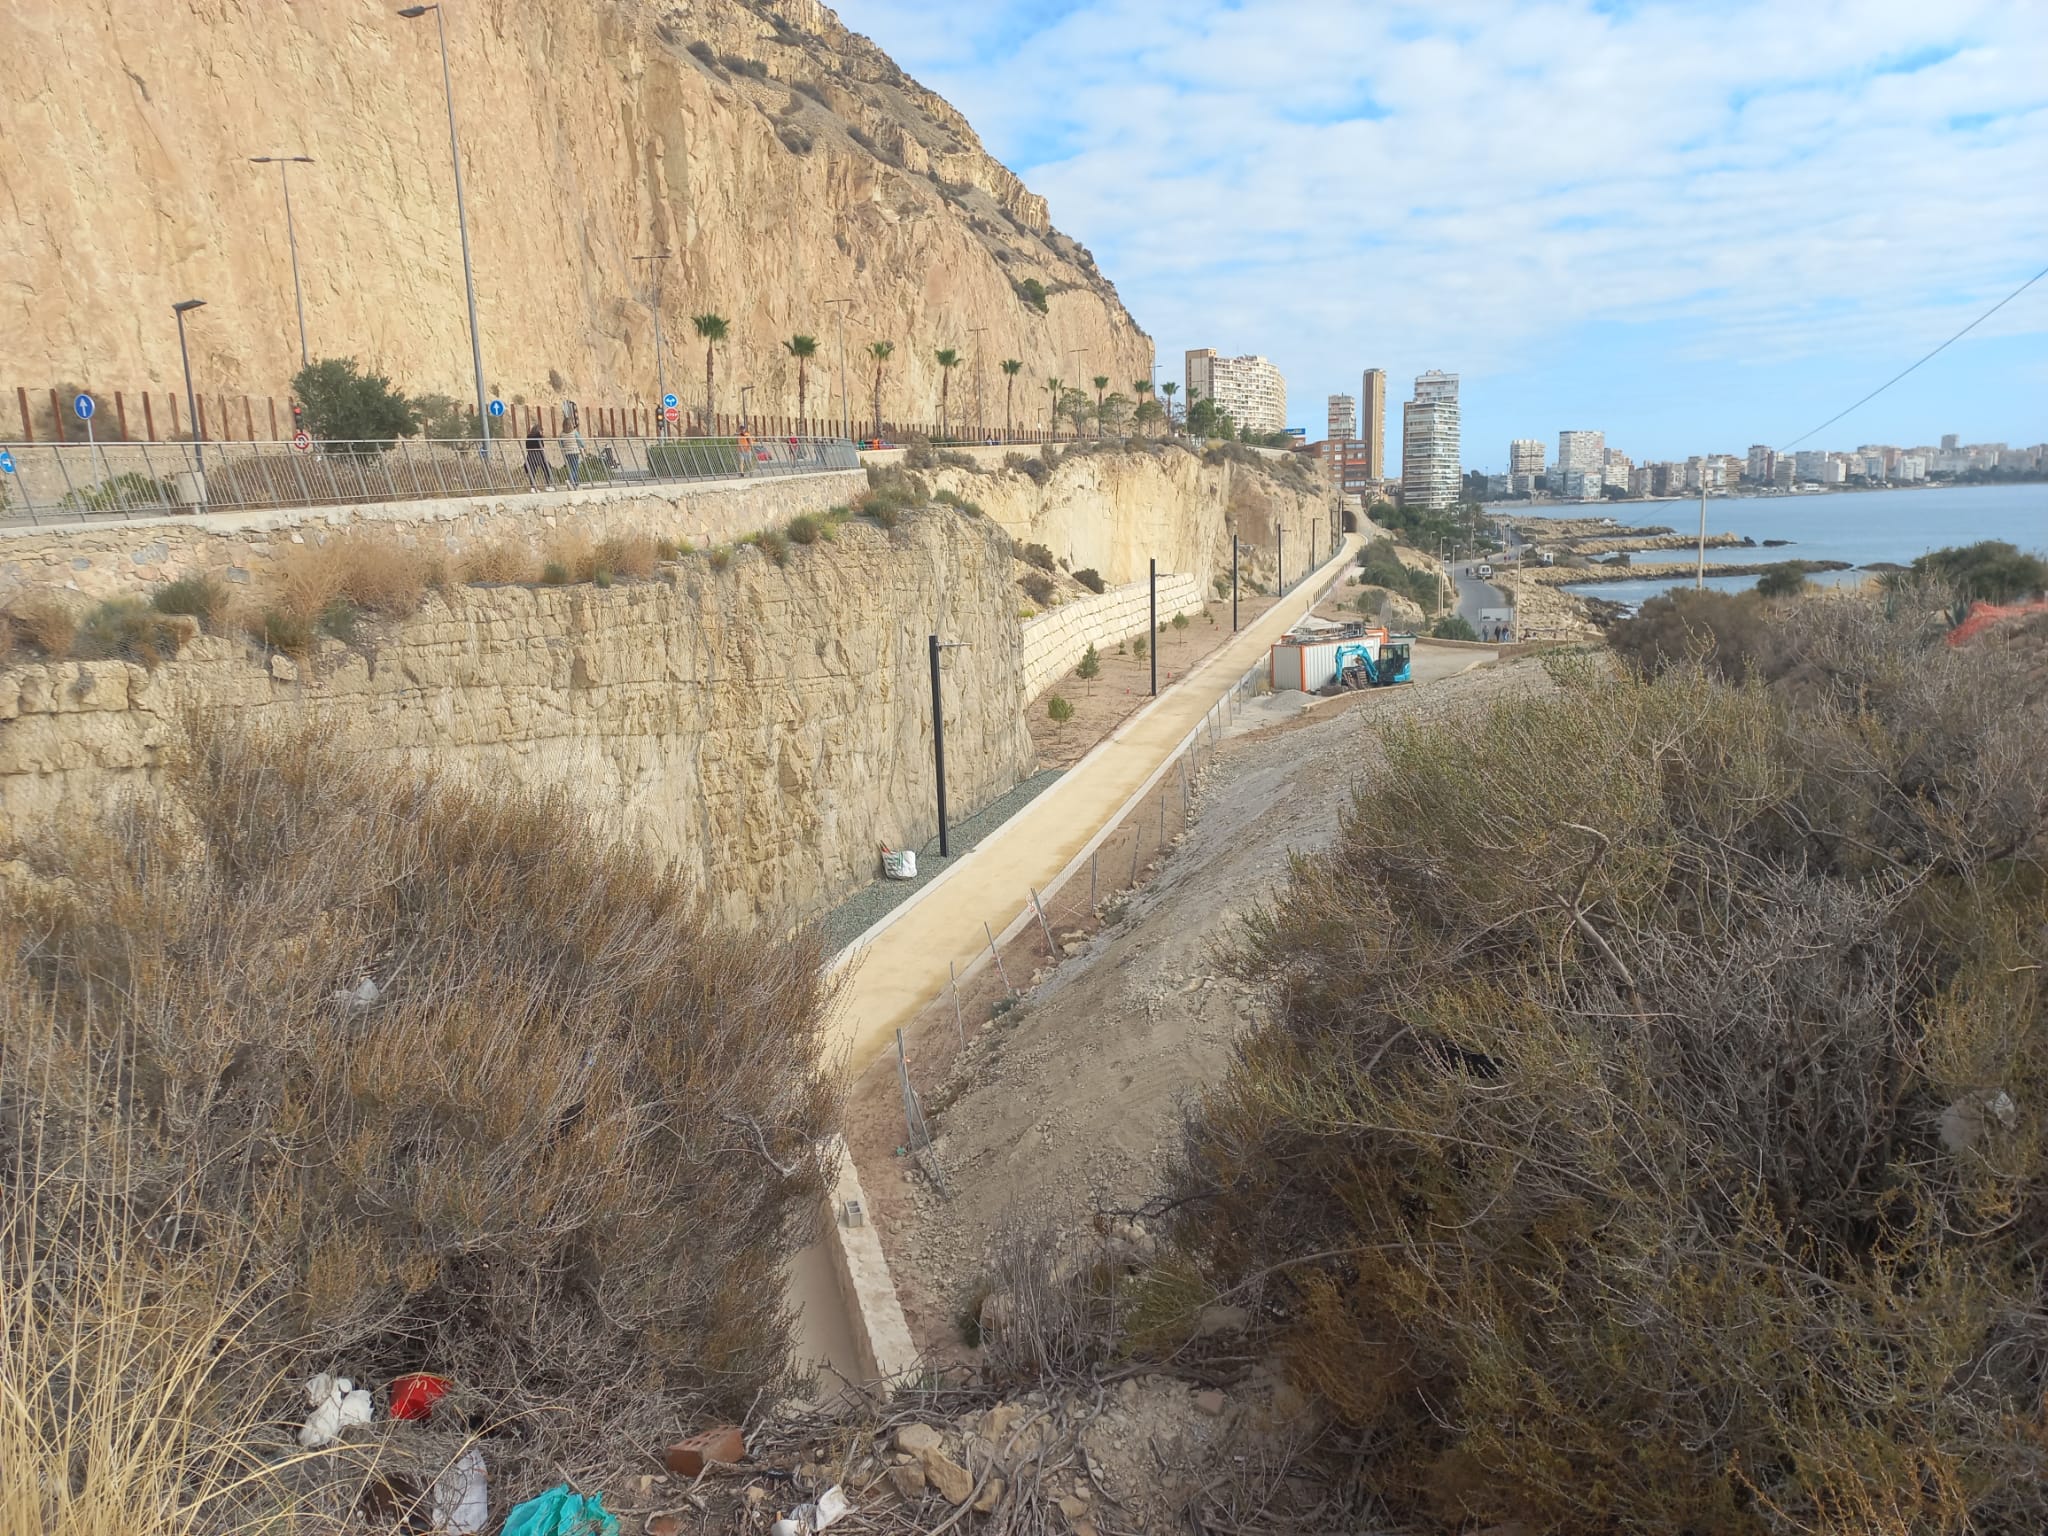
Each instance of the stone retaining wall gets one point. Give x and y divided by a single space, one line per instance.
1057 639
122 559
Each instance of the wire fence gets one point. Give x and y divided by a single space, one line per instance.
52 483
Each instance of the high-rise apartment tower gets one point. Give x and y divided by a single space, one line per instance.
1372 411
1249 389
1343 418
1430 473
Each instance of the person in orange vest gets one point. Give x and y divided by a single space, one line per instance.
746 450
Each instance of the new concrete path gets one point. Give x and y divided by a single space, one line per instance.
901 963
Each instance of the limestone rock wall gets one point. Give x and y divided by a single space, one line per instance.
1114 511
1054 641
782 160
245 549
767 726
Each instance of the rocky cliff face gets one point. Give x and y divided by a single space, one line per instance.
766 725
1114 511
782 160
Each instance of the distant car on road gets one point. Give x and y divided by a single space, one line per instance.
1486 573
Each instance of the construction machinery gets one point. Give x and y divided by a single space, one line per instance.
1359 667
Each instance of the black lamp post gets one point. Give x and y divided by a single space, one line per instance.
180 309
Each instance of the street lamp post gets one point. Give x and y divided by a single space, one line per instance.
181 309
660 363
476 347
980 421
284 164
845 400
939 738
745 390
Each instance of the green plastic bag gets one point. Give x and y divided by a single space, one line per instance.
562 1512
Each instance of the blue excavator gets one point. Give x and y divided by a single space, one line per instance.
1357 667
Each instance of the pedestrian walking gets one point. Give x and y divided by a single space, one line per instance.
746 450
571 443
537 458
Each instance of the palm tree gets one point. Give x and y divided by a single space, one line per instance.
1169 389
1141 388
1101 382
711 331
948 360
1011 368
803 349
1055 386
880 352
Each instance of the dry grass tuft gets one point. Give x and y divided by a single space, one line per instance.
46 626
498 564
633 555
562 1156
372 572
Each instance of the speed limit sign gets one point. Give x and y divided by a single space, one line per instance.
302 440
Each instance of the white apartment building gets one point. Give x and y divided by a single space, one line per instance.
1582 450
1431 475
1343 418
1615 466
1809 464
1249 389
1525 456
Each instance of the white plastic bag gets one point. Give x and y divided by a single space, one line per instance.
899 863
462 1498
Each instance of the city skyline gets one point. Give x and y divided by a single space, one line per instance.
1729 251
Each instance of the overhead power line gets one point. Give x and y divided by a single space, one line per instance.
1888 383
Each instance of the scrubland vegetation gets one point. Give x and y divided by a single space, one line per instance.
1648 1133
310 1065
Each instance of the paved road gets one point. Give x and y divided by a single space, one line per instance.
1474 594
903 966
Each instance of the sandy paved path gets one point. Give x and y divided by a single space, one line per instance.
901 964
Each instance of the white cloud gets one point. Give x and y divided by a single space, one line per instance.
1473 183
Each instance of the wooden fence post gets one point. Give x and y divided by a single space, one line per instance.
28 427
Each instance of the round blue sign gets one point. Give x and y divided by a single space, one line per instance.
496 407
6 462
668 402
84 406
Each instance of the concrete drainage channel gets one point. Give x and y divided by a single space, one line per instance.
851 1321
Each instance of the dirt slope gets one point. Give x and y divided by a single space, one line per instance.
1072 1101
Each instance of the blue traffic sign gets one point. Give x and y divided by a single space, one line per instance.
84 406
6 462
668 402
496 407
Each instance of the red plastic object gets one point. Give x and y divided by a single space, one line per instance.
414 1396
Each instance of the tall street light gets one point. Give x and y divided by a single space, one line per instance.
284 164
180 309
660 368
476 349
845 400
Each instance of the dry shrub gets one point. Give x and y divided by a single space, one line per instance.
198 596
1038 555
45 626
128 629
498 563
375 573
1037 586
562 1156
1649 1133
631 555
571 551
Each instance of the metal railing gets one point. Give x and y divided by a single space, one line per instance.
50 483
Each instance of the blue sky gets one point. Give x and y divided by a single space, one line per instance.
1695 226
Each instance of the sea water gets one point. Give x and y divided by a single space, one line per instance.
1861 527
